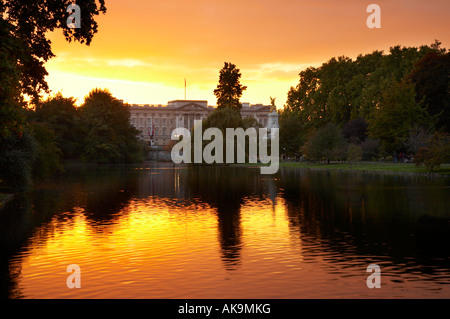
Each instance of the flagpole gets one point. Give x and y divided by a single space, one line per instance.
185 89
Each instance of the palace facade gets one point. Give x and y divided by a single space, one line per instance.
160 120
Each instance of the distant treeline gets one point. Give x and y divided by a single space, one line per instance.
55 130
378 104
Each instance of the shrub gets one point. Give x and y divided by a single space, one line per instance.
354 153
370 149
435 153
327 144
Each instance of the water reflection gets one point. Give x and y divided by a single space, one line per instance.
378 215
164 231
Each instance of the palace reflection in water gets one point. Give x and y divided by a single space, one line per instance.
164 231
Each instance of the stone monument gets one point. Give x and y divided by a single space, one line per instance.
272 122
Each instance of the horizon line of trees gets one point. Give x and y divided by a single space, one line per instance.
374 107
31 145
56 130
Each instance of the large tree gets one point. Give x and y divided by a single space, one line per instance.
431 75
26 25
229 90
60 114
108 134
327 144
398 113
24 49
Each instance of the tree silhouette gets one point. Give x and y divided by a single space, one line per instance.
229 90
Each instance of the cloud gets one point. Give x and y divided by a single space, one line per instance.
127 63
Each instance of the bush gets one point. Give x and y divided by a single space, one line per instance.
327 144
435 153
354 153
47 155
16 159
370 149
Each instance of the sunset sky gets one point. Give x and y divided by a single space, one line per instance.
144 49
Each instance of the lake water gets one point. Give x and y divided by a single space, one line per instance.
159 231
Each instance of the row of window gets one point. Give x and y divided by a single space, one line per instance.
157 131
140 121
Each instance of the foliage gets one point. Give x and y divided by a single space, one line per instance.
229 90
11 116
47 154
224 118
371 149
431 76
435 153
108 135
16 159
355 131
352 93
418 137
28 24
60 115
250 122
327 144
398 113
354 153
24 49
292 133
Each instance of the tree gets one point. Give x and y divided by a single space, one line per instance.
229 90
47 155
11 117
355 131
60 114
24 49
354 153
399 112
222 119
436 152
341 89
27 24
292 132
108 135
418 138
431 76
17 154
327 143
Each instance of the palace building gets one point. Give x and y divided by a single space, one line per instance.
156 122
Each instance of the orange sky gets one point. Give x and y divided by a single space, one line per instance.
144 49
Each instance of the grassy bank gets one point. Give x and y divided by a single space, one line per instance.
400 168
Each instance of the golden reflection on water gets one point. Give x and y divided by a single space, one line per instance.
160 245
153 250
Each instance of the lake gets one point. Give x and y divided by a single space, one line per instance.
162 231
